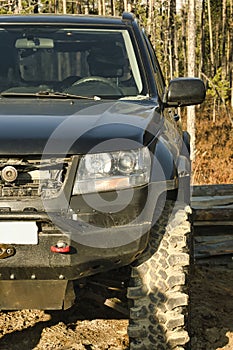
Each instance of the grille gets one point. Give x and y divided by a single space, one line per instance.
32 177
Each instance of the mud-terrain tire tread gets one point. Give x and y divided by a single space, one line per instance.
158 288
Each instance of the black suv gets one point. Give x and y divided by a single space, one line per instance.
94 169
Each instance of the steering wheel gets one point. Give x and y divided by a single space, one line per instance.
68 81
112 89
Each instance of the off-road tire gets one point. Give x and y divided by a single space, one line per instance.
158 290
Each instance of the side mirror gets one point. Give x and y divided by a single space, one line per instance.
185 92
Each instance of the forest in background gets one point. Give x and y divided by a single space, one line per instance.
168 24
191 38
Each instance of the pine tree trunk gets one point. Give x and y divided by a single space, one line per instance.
100 12
113 13
103 8
184 36
224 41
211 38
125 5
202 40
56 6
230 52
79 8
232 88
191 72
64 6
171 26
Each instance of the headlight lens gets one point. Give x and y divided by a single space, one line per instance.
112 171
126 162
100 163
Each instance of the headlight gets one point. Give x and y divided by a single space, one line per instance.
100 163
112 171
126 162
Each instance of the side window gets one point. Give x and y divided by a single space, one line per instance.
160 82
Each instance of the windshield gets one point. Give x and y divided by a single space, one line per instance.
85 62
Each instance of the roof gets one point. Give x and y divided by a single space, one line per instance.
64 19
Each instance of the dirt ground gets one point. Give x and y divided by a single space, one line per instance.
84 327
92 328
212 308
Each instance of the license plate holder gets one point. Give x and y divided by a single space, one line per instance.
18 232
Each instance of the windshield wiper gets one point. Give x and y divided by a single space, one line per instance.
53 94
65 95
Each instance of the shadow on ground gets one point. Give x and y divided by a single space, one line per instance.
212 308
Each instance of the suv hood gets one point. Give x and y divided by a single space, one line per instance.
36 126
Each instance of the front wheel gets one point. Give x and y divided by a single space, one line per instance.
158 290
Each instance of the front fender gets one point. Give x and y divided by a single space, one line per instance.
163 165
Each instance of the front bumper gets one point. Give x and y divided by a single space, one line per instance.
98 240
36 276
41 262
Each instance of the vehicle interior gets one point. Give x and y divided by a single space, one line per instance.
85 62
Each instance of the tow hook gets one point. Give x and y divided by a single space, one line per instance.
6 251
60 247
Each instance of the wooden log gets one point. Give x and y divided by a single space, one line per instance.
214 248
213 261
212 201
212 190
213 239
213 223
213 214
